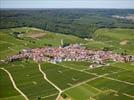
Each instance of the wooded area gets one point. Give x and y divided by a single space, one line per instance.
77 22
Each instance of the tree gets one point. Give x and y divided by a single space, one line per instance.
92 28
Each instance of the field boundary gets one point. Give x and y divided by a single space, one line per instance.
120 81
84 82
50 95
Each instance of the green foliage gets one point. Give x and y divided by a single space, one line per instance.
66 44
79 22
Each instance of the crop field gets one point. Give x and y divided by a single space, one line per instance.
105 70
124 76
112 96
117 39
117 83
86 91
112 84
127 66
75 79
7 92
82 65
63 76
102 88
29 80
10 45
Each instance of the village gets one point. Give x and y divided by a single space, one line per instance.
73 52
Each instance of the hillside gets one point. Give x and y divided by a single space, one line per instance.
67 79
116 39
15 39
79 22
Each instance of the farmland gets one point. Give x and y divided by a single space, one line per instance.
113 81
8 93
116 39
62 73
29 80
11 45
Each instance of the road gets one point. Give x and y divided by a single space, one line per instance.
14 85
45 77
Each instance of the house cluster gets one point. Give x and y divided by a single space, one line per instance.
72 52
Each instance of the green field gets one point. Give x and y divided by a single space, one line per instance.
76 79
104 70
29 80
10 45
118 39
121 40
114 85
7 92
82 65
105 87
64 77
85 91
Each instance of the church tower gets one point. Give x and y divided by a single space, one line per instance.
62 43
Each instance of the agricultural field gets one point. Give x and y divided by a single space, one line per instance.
105 70
81 65
117 83
29 80
8 93
75 79
10 43
119 40
64 77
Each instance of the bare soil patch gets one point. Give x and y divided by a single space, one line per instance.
124 42
36 35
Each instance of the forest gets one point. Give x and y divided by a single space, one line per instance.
79 22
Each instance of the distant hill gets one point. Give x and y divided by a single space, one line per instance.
117 38
79 22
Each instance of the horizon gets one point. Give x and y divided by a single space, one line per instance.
67 4
67 8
